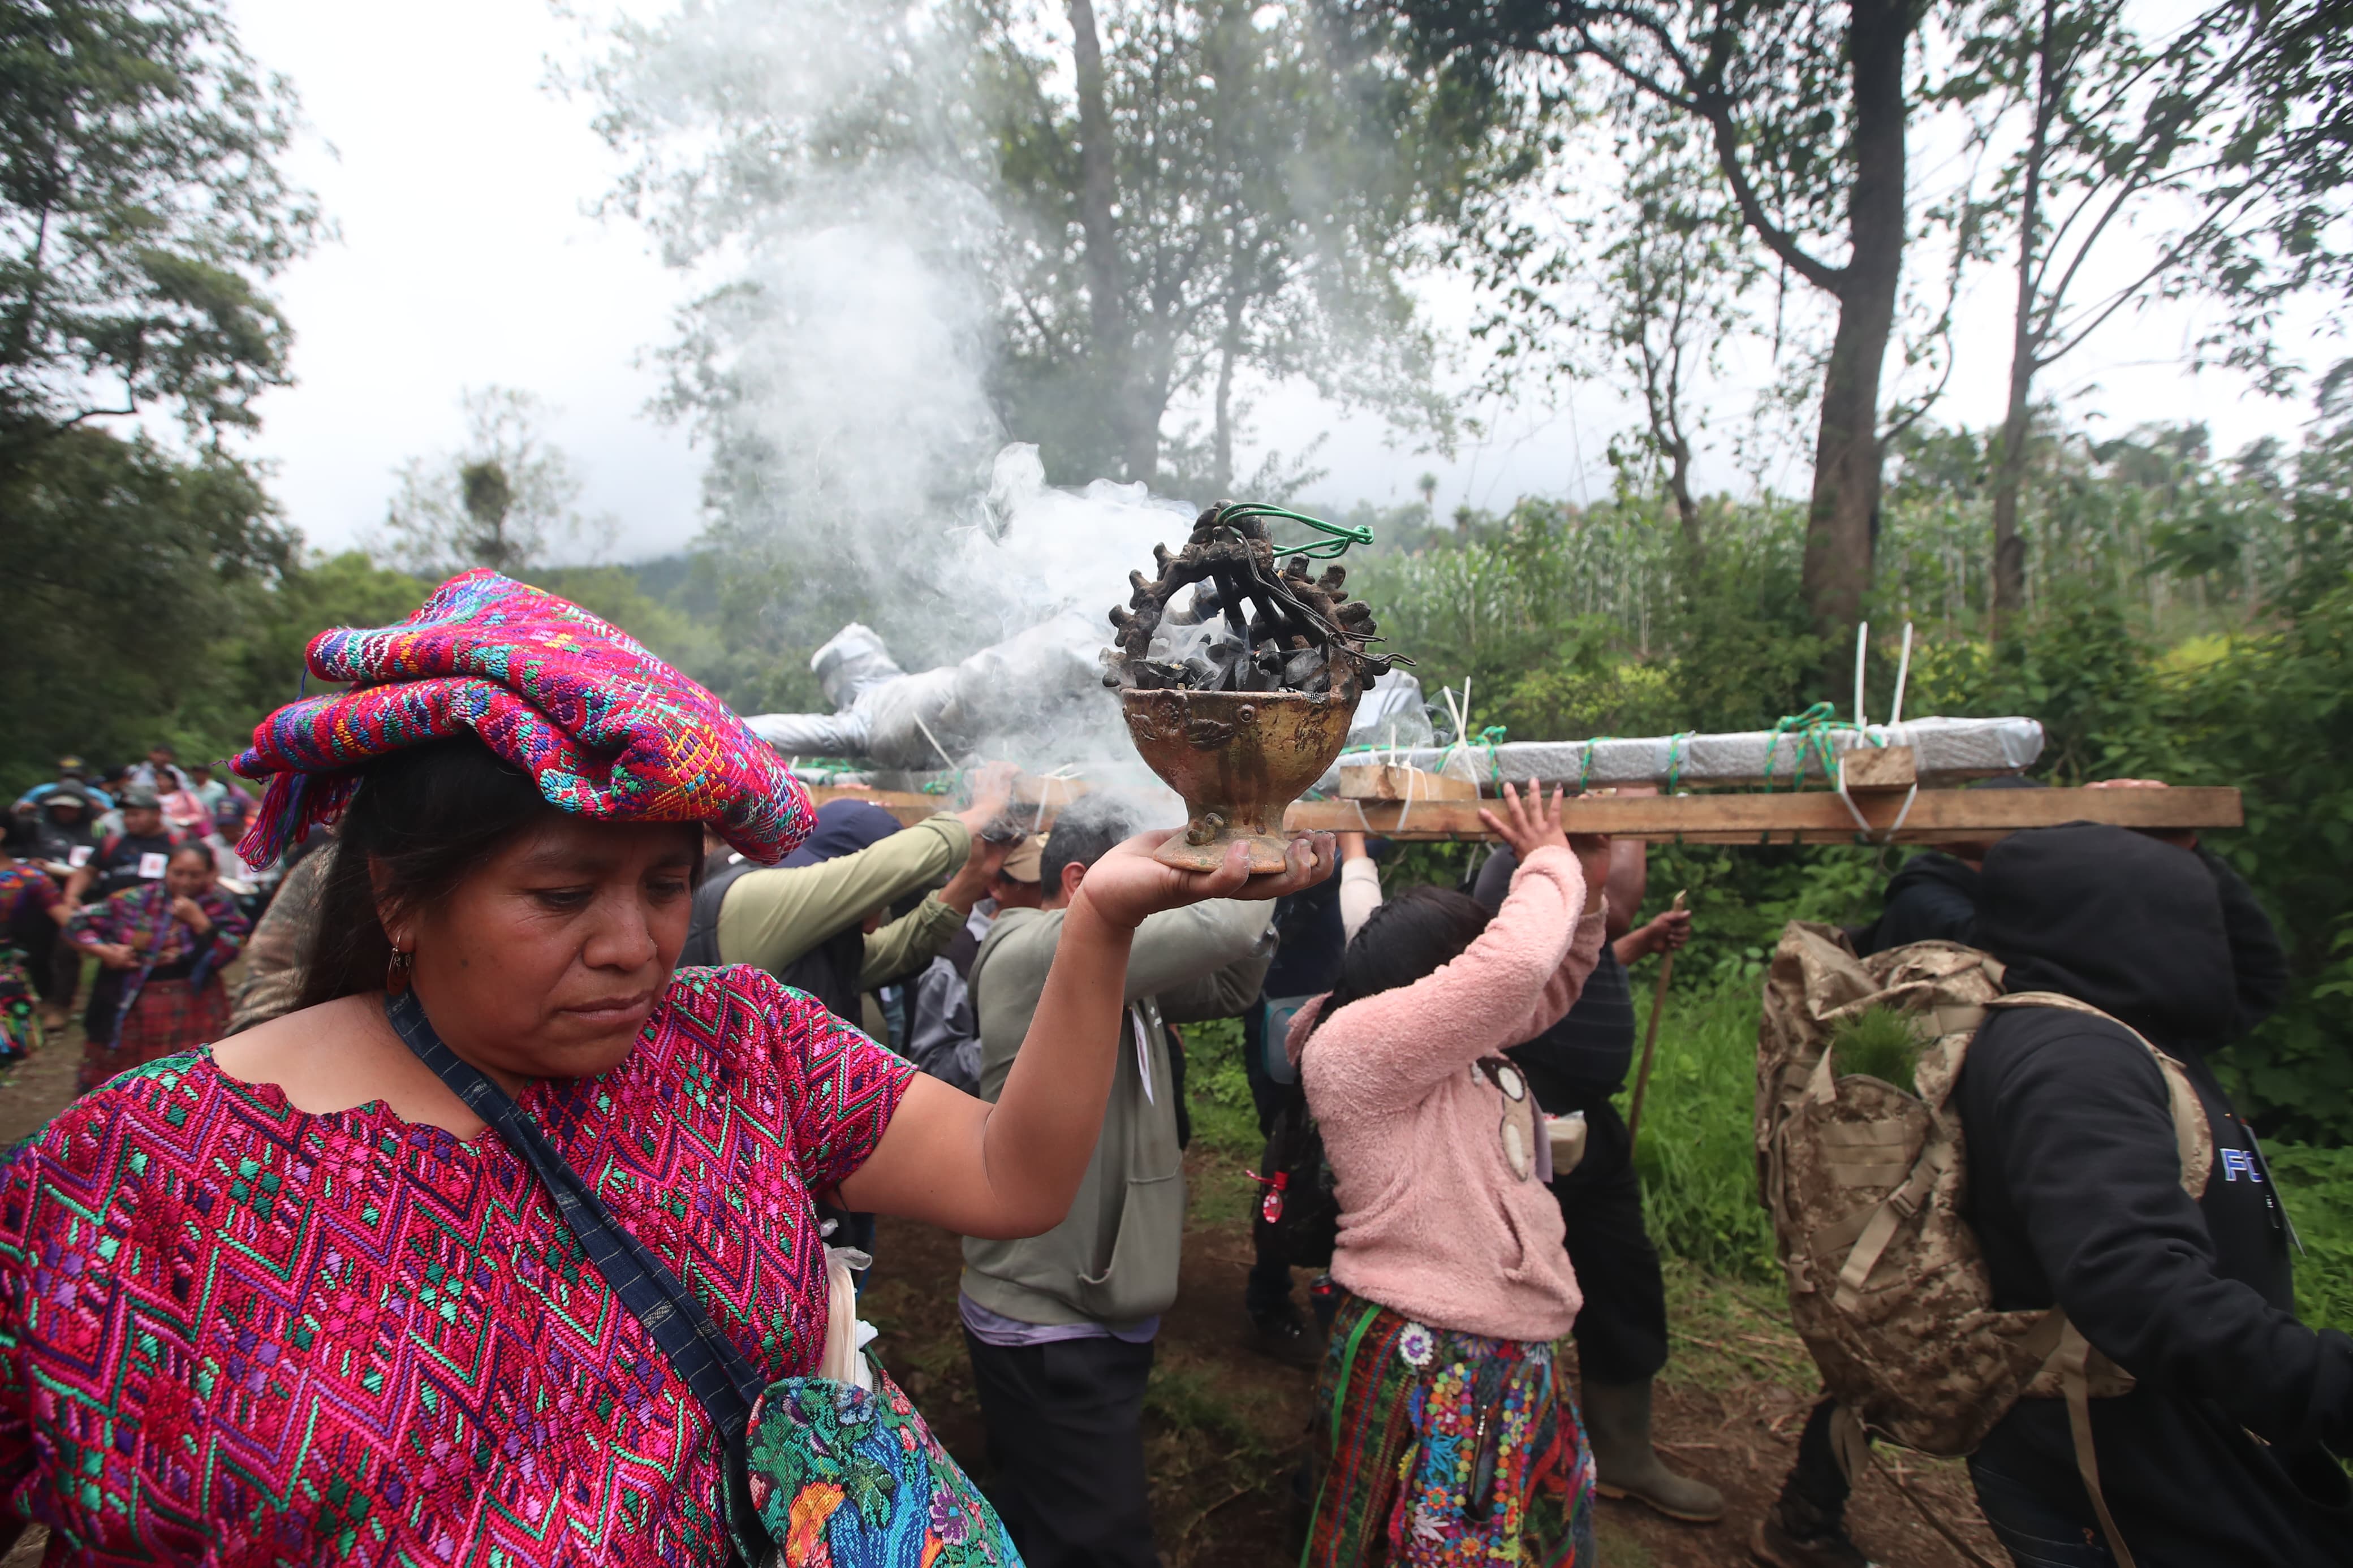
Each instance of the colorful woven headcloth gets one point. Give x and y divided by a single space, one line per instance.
606 729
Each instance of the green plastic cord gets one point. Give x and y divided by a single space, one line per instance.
1675 759
1811 731
1585 768
1340 535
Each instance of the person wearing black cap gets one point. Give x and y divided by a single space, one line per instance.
140 853
815 921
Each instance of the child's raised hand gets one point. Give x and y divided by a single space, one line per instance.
1527 825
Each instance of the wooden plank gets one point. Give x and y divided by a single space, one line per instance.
1815 817
1879 767
1379 781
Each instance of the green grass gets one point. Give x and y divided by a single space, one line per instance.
1878 1042
1697 1153
2317 1185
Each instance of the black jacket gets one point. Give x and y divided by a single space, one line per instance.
1931 896
2076 1195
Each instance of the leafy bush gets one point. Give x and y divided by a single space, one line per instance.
2317 1185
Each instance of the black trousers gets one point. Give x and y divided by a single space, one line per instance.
1066 1436
1621 1331
55 965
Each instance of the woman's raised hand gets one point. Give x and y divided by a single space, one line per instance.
1127 884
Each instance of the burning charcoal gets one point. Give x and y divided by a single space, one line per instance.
1155 675
1267 628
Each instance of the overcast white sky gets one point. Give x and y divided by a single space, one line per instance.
461 184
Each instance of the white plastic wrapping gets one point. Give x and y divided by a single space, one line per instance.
1946 749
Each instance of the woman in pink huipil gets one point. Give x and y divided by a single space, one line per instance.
1444 1431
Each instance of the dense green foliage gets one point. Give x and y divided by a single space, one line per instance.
2190 622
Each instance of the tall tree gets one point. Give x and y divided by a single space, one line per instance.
1645 286
1806 105
2138 155
1148 198
1242 192
141 212
507 499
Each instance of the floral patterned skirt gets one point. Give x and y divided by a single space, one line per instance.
1433 1447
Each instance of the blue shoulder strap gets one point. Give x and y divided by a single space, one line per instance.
724 1382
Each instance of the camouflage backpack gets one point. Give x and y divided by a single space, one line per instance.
1867 1182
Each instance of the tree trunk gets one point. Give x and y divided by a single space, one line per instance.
1221 470
2025 345
1679 462
1842 522
1105 304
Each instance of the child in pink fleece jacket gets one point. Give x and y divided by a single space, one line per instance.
1441 1364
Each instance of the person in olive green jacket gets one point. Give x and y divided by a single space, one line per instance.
1060 1326
818 920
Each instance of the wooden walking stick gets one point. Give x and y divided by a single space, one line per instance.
1651 1039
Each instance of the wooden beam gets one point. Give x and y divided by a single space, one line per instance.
1814 816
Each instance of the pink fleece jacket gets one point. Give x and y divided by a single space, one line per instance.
1431 1130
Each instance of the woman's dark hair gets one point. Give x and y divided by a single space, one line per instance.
16 834
1414 934
424 817
200 849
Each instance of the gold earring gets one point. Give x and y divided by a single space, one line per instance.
395 970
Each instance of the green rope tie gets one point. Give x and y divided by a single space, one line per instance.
1810 733
1339 536
1675 759
1585 768
1488 738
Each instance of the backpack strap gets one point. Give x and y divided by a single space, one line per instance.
2075 1357
2076 1360
2193 1135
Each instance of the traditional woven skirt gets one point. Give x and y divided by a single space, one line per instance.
170 1016
1435 1447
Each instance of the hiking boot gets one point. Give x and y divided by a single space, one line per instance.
1280 1334
1778 1546
1617 1425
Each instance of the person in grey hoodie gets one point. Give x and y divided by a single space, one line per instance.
1060 1326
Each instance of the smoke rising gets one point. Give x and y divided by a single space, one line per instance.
819 164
